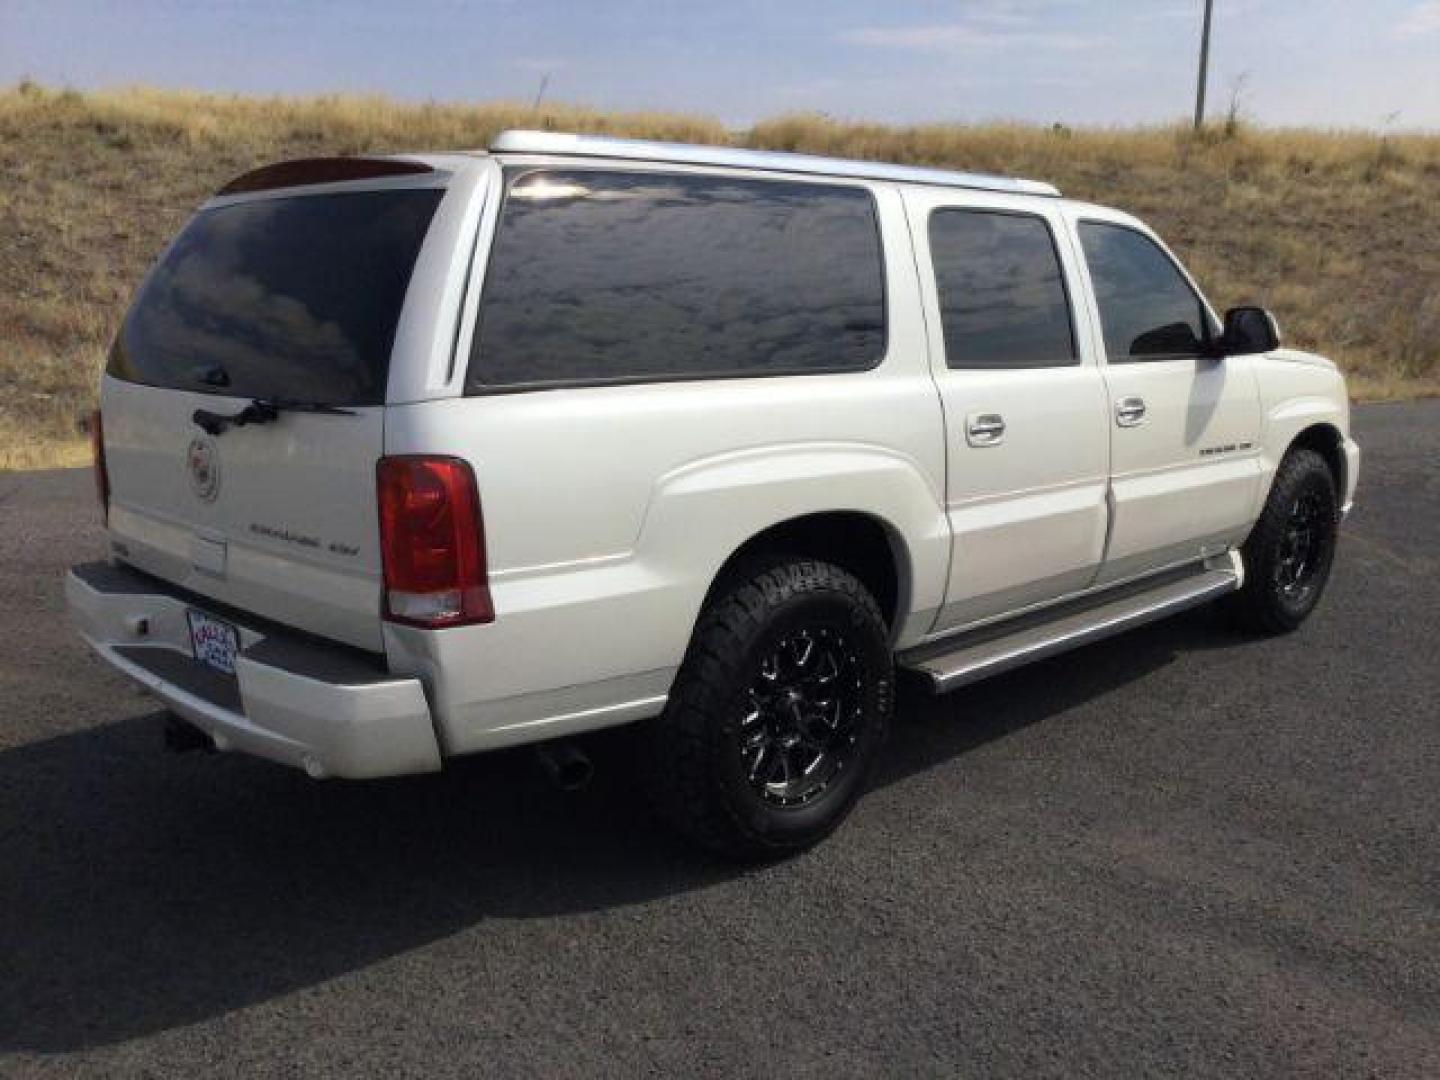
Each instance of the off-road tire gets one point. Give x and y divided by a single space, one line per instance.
693 762
1266 605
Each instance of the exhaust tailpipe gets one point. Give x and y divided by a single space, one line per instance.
567 766
182 737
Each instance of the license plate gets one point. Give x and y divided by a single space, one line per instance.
213 641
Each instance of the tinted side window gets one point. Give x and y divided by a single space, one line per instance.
289 297
1148 310
1002 297
600 276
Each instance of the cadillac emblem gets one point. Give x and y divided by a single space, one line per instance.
202 462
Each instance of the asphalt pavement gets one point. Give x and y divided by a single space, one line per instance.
1177 852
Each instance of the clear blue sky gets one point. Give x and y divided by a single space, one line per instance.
1327 62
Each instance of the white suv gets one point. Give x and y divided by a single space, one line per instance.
406 458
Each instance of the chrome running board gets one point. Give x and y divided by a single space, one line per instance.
978 654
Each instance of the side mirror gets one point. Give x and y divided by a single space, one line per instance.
1248 330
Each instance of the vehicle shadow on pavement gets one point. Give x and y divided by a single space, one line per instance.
931 728
143 891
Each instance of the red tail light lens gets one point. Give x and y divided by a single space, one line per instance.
432 543
102 475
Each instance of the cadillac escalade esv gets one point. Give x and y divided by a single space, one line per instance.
411 457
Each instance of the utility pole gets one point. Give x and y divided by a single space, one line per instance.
1204 66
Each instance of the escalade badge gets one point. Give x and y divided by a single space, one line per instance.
202 459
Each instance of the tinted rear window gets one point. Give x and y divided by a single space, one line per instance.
601 276
1002 297
289 297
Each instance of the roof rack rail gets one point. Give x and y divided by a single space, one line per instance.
565 143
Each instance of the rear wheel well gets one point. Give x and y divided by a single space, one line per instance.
856 542
1325 440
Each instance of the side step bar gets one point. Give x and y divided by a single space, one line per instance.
991 650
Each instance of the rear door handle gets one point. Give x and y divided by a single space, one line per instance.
1130 411
984 429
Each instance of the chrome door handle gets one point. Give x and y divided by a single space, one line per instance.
984 429
1130 411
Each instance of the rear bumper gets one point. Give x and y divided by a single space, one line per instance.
329 710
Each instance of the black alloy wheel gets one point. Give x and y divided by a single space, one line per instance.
777 714
1291 548
801 716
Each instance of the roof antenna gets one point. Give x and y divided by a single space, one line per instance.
540 94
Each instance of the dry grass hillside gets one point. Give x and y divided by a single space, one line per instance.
1338 232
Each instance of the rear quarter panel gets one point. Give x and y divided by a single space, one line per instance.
608 511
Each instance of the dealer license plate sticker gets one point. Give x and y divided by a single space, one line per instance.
213 641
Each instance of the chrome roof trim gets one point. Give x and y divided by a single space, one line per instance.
601 146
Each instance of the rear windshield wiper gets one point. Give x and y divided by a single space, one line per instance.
260 411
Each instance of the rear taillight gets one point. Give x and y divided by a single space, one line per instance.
432 543
102 475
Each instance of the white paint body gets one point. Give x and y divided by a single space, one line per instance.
609 510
